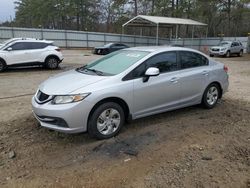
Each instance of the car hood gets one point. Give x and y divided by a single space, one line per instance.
68 82
219 47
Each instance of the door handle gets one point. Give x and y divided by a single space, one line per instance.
205 73
174 80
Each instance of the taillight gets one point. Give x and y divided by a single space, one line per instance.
225 68
58 49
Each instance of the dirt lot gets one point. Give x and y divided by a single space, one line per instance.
191 147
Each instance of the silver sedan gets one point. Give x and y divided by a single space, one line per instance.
128 84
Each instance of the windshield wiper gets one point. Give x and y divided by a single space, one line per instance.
100 73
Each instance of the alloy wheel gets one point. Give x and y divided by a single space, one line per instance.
108 121
212 95
52 63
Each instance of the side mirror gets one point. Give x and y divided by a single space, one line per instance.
151 71
9 49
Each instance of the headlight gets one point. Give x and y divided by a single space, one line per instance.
222 49
64 99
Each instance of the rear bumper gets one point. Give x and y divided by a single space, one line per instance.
61 60
225 84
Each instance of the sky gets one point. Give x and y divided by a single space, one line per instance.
7 10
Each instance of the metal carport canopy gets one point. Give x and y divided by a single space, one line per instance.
158 21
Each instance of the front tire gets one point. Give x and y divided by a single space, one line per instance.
228 54
211 96
106 121
2 65
241 53
51 63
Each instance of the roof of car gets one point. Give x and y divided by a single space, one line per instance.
159 48
30 40
35 40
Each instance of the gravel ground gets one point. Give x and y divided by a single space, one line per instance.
191 147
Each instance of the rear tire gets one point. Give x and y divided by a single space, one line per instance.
106 121
211 96
51 63
2 65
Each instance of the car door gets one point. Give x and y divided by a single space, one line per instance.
194 76
35 51
233 48
159 93
17 53
237 47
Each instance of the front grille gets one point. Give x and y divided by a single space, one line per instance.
215 50
42 97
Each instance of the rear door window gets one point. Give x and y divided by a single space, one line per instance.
37 45
192 59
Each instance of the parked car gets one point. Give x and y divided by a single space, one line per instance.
27 52
227 48
108 48
128 84
7 42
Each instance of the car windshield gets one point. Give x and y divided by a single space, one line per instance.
224 44
114 63
108 45
5 43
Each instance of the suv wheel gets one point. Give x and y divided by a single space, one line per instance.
228 54
241 53
106 121
2 65
51 63
211 96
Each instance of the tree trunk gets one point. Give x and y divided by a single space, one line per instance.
136 8
173 6
229 17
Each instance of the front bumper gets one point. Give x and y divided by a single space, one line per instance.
67 118
217 53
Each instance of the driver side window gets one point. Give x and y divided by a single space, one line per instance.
165 62
19 46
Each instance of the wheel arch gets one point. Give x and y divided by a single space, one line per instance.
219 85
1 59
117 100
50 56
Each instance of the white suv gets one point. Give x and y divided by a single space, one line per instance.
26 52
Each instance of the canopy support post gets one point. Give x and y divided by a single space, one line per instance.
192 35
171 33
157 34
206 32
192 32
176 32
